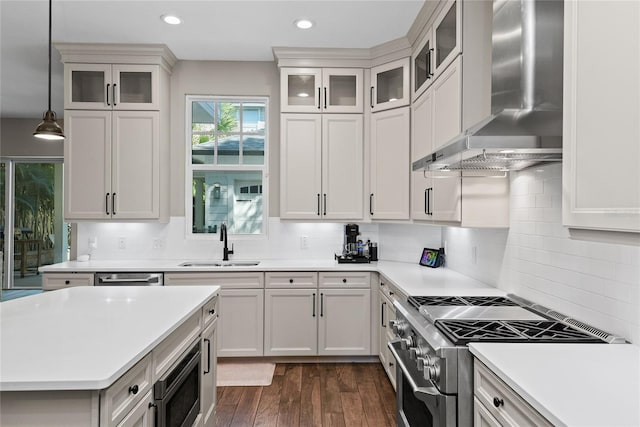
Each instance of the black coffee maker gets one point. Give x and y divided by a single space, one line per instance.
353 249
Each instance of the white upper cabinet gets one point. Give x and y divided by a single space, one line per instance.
321 90
601 178
440 45
389 85
111 87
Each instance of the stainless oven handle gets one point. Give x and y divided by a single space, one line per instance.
147 279
419 392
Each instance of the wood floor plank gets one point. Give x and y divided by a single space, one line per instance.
372 405
267 413
289 409
352 409
330 419
346 377
247 406
310 400
386 393
280 369
224 415
329 390
230 396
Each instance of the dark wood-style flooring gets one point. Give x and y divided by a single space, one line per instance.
313 394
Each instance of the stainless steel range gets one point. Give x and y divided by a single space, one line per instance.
434 365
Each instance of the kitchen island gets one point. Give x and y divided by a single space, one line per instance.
65 354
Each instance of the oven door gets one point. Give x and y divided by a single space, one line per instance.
419 402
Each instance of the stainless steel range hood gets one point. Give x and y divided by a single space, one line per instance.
525 126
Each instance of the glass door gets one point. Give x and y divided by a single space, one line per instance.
135 87
389 85
88 86
447 36
300 90
423 67
342 90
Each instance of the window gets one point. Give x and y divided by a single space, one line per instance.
32 231
227 164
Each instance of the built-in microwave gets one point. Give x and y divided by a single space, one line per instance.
177 393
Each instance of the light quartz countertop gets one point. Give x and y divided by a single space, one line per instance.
411 278
85 338
571 384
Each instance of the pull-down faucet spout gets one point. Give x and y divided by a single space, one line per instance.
223 238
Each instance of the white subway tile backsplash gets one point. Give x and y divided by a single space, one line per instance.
595 282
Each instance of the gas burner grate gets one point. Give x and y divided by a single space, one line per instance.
418 301
462 332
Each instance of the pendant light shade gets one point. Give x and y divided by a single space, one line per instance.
49 129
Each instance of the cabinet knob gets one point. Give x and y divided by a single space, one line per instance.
134 389
290 280
66 282
390 293
498 402
344 280
212 311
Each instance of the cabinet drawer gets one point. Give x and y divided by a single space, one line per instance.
298 279
141 415
119 399
511 409
391 291
172 348
345 280
226 280
52 282
209 312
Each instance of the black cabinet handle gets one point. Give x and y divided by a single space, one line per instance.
134 389
382 314
290 280
208 341
371 204
426 208
114 94
325 98
106 203
498 402
113 204
318 204
212 311
371 97
344 280
429 211
108 84
66 282
429 73
390 293
313 307
391 364
325 204
321 305
319 96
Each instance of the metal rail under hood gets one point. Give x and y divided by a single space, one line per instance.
525 127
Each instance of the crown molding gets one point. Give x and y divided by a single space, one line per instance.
390 51
321 57
106 53
421 21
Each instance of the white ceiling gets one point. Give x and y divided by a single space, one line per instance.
239 30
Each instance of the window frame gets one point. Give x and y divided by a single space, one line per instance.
190 167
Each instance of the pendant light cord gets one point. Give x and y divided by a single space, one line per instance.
50 2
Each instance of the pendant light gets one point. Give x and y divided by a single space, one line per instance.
49 129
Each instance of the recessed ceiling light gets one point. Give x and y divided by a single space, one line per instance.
171 19
303 24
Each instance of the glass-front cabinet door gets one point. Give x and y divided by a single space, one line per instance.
447 35
389 85
111 87
300 90
318 90
422 61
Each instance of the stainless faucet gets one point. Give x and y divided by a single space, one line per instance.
223 237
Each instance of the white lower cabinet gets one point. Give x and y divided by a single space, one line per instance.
142 415
240 323
387 294
290 327
496 404
302 319
345 322
208 366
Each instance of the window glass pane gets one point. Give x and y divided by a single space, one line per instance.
231 197
40 235
253 150
253 118
446 36
203 132
229 118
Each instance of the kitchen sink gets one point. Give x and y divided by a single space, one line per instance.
219 264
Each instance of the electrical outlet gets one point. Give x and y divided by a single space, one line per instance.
93 243
158 243
122 243
304 242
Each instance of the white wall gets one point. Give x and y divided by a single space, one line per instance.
405 242
596 282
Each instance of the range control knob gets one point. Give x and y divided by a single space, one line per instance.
417 352
406 343
399 327
432 370
422 362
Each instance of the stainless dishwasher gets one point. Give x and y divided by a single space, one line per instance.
129 279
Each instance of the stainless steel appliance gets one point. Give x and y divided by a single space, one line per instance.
129 279
434 366
525 125
177 393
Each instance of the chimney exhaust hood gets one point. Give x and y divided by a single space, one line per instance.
525 125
